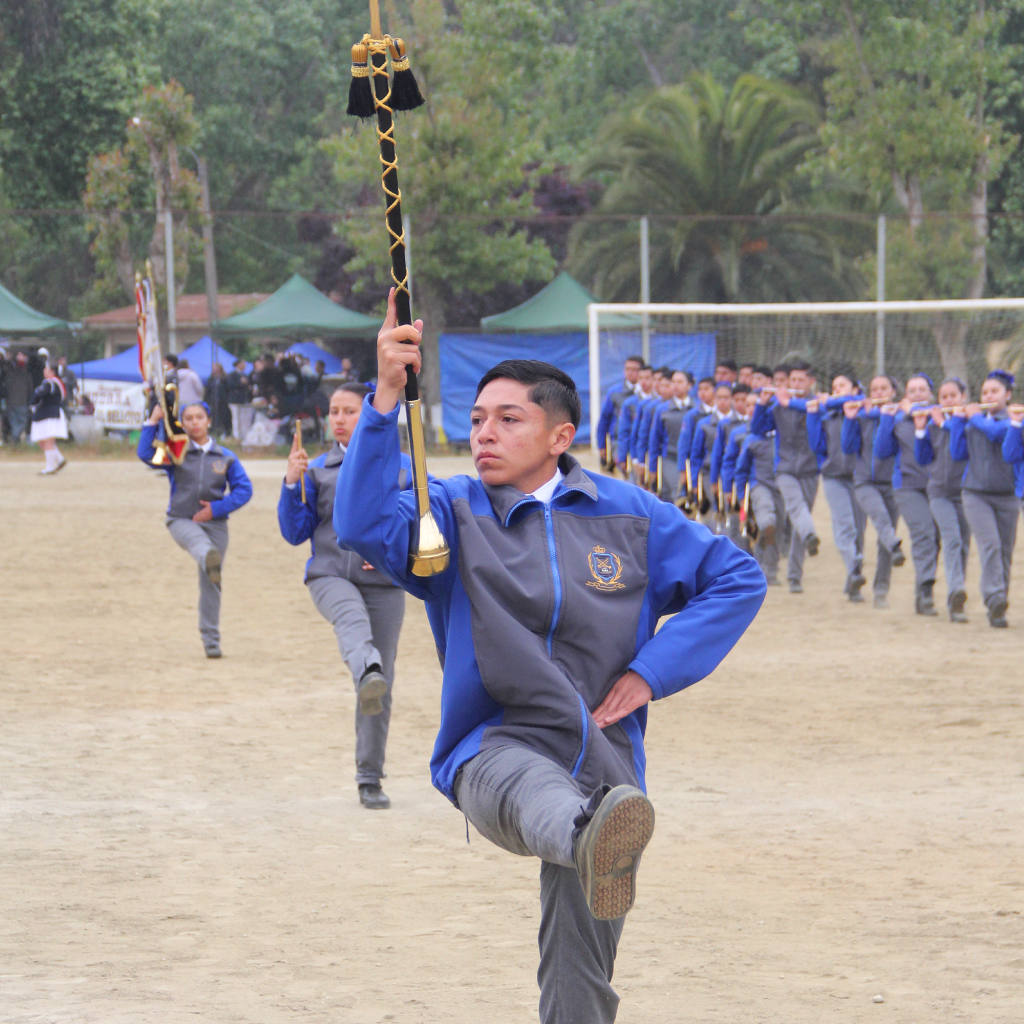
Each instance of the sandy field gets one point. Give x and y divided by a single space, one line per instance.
839 805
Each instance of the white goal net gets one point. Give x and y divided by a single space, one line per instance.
962 338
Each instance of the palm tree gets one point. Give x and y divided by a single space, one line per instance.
697 150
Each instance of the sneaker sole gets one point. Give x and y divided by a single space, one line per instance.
371 691
213 564
812 546
957 600
997 611
621 839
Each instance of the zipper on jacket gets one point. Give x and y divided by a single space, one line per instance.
556 579
586 730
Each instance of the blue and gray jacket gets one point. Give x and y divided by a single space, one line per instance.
756 463
824 432
1013 453
685 443
544 606
313 520
894 438
202 476
700 449
732 454
945 474
641 429
665 428
858 438
979 440
793 453
608 423
726 427
624 432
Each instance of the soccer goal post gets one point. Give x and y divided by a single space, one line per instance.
943 338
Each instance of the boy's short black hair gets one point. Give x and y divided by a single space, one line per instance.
690 377
747 366
741 389
634 359
646 366
799 364
708 380
665 371
723 384
765 371
729 364
550 388
171 358
782 368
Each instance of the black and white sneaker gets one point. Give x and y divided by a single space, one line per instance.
607 851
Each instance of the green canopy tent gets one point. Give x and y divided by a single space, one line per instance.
298 310
558 308
16 317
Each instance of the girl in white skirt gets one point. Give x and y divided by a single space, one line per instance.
48 421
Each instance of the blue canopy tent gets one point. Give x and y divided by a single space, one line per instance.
202 354
122 367
313 352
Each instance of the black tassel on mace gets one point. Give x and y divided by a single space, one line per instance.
360 94
405 93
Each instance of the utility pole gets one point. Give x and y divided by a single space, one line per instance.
645 289
880 295
172 322
209 256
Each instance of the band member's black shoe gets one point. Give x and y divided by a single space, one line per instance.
795 587
855 597
811 545
957 600
212 566
881 601
371 688
854 584
898 558
607 851
212 650
372 797
997 611
924 603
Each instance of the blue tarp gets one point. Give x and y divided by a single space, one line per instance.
313 352
125 365
465 358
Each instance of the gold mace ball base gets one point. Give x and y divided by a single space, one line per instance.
431 555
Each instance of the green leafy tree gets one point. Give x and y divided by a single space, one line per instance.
700 149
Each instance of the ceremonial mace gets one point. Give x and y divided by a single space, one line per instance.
428 552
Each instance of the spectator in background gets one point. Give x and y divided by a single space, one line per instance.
347 373
217 399
69 380
291 394
319 369
190 385
239 389
19 395
269 379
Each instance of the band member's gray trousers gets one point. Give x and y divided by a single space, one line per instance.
848 521
526 804
993 519
924 546
197 539
798 492
367 621
955 532
879 506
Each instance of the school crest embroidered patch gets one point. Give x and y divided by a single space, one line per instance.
220 466
606 568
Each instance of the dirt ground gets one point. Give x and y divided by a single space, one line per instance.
839 805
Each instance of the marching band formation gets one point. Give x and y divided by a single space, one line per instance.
744 452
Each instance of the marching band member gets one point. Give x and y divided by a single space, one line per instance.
641 449
206 488
945 483
364 606
755 468
666 427
990 488
872 479
738 417
703 442
796 466
895 439
627 414
547 674
48 420
1013 446
824 430
608 424
701 408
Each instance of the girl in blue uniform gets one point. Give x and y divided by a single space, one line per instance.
363 605
206 488
945 483
990 488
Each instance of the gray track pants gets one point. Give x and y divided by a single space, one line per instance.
526 804
924 540
197 539
993 521
880 507
798 493
769 510
367 622
955 532
848 522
